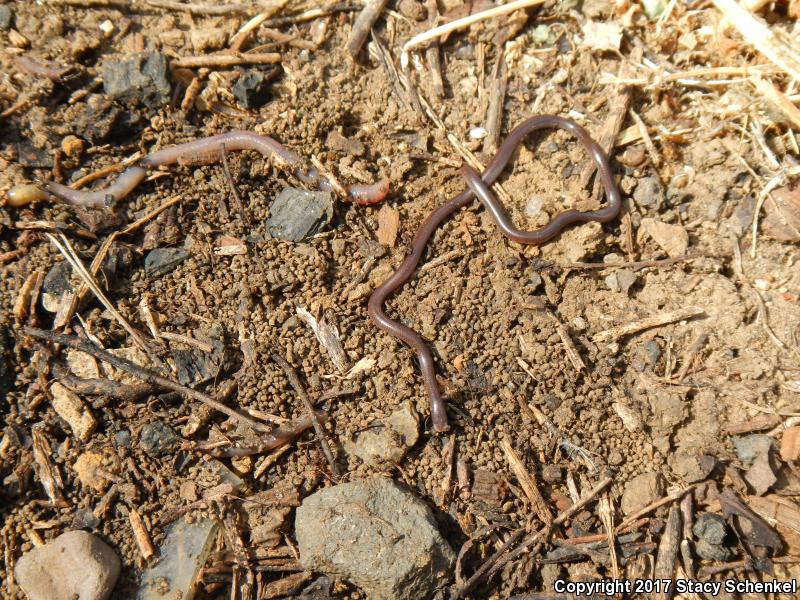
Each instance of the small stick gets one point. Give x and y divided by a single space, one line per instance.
47 473
569 345
185 339
436 32
528 483
363 24
131 227
497 99
601 537
294 380
67 250
655 505
606 510
140 534
310 15
87 179
226 60
192 90
688 358
141 373
617 110
667 552
432 55
687 513
655 157
647 323
637 264
202 9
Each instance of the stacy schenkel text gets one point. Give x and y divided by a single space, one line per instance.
612 587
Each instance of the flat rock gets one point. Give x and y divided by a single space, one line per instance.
161 261
194 366
750 447
157 438
71 408
641 491
376 535
182 554
385 443
673 239
649 193
76 564
138 78
298 214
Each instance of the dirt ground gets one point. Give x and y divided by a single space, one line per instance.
658 400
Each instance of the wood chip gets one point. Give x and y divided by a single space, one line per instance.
388 224
71 408
528 484
790 443
140 534
328 337
655 321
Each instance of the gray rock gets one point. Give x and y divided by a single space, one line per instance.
84 519
197 366
157 438
252 88
621 280
376 535
181 555
56 282
161 261
385 443
708 551
711 527
76 564
750 447
298 214
138 78
122 438
649 193
5 17
711 530
641 491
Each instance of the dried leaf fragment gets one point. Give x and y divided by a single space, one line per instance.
782 220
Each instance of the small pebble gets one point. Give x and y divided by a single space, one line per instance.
157 438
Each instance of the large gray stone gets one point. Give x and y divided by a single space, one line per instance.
376 535
75 565
298 214
141 78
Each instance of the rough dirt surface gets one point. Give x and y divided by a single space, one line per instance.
491 309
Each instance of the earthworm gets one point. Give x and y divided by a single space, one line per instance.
478 186
105 198
208 150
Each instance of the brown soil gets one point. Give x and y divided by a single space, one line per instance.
492 305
